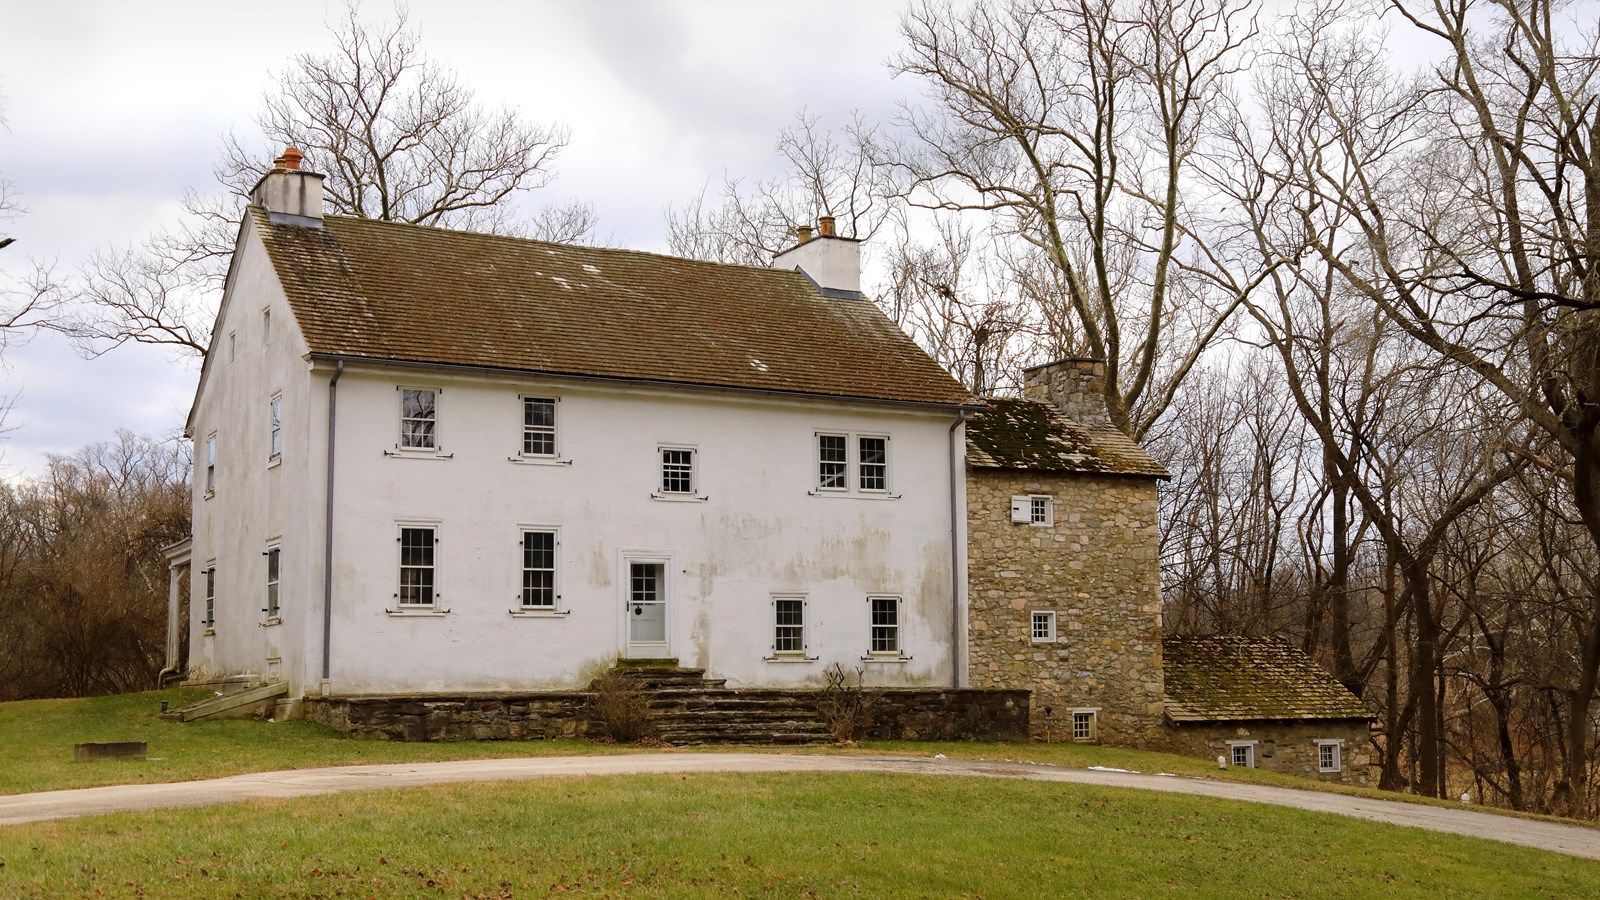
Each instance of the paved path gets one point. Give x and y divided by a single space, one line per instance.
17 808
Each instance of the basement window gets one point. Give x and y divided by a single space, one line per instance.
1329 755
1242 754
1086 725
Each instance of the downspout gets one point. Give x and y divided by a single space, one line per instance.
327 549
957 651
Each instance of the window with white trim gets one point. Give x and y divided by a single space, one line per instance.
833 463
885 624
418 550
788 625
1242 754
677 470
419 419
1043 628
1086 725
274 576
872 463
1329 755
1033 509
538 426
275 443
211 464
852 464
538 569
211 597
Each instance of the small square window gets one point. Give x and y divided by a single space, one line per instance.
1044 626
1329 756
419 419
789 625
1039 510
677 471
1085 725
538 426
1242 754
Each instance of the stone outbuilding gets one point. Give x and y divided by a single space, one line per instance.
1262 703
1064 592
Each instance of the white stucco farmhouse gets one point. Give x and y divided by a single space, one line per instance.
430 461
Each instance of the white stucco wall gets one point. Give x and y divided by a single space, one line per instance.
759 532
255 501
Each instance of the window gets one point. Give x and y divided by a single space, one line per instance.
266 327
538 570
872 463
789 625
276 443
885 624
1086 725
1242 754
416 566
233 346
1329 755
211 598
832 462
418 419
1033 509
677 470
211 465
274 567
1044 626
538 426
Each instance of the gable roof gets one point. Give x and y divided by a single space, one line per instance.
1236 679
361 288
1035 436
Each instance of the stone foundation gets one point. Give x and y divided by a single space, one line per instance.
1286 747
899 714
1096 568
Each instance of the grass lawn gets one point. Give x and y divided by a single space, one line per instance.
765 835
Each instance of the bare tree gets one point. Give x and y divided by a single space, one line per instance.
826 173
398 136
1078 130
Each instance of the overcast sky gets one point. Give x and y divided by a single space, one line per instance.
116 108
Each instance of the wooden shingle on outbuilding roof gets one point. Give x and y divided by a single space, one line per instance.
1240 679
1034 436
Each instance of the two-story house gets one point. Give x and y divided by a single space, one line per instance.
430 460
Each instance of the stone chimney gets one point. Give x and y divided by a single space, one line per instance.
290 196
1074 386
830 262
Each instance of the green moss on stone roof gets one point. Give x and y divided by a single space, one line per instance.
1235 679
1026 434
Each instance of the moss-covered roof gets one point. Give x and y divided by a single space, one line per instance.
1236 679
1027 434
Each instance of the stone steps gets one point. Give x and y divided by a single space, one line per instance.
688 708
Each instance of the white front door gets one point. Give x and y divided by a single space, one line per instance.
646 610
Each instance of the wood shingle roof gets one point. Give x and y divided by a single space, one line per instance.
1239 679
1035 436
361 288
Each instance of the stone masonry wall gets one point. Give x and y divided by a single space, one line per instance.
1097 568
906 714
1286 747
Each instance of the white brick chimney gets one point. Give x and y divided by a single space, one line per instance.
831 262
290 196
